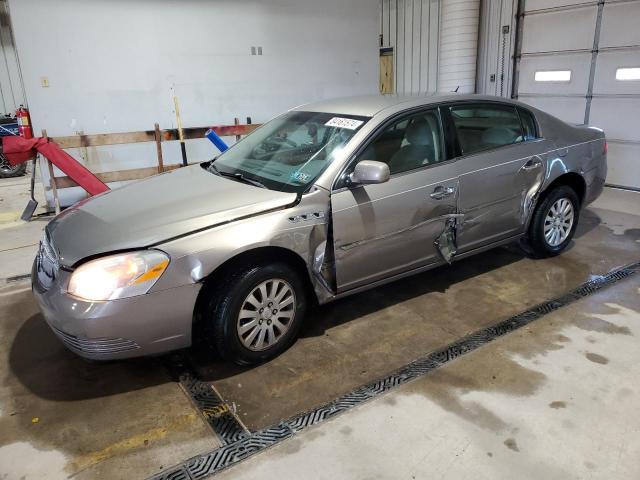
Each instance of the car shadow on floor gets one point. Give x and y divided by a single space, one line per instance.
48 370
587 222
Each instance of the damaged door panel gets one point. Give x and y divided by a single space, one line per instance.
447 242
515 175
386 229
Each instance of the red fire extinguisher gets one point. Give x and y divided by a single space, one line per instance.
24 122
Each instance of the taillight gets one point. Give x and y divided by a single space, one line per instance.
605 148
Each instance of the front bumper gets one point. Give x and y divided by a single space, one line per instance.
148 324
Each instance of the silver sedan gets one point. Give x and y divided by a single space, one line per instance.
324 201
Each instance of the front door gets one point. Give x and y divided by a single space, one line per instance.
385 229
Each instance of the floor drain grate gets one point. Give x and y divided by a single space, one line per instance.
208 402
232 453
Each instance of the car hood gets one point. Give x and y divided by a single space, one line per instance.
156 209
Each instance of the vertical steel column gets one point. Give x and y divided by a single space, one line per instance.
594 59
517 55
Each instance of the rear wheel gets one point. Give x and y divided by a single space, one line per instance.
255 314
7 170
554 222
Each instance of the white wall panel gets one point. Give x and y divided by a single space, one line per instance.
623 161
543 4
618 117
562 30
578 64
605 79
568 109
458 50
114 66
620 22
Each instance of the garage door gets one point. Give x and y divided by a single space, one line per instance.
581 62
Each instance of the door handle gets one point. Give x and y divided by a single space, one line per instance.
532 164
441 192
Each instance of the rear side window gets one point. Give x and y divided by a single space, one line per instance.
484 127
530 132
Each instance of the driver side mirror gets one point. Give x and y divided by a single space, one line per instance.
369 172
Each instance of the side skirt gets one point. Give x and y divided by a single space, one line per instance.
424 268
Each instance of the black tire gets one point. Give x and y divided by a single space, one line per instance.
221 312
8 171
536 235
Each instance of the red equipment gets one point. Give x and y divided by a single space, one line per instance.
24 122
18 150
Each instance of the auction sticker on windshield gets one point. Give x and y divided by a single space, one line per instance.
340 122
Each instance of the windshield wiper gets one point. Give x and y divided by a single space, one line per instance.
237 176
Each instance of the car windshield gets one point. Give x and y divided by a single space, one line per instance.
289 152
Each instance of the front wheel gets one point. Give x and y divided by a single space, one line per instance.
255 313
554 222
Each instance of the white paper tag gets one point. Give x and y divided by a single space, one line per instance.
340 122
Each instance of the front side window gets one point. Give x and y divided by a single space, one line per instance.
289 152
484 127
407 144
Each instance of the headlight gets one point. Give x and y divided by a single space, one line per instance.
118 276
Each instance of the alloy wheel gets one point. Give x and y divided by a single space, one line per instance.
558 222
266 314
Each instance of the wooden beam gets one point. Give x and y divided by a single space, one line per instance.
117 176
101 139
198 132
52 180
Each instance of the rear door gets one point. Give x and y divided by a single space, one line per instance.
385 229
500 169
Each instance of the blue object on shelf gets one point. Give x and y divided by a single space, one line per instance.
9 127
216 140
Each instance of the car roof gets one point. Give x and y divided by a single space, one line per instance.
370 105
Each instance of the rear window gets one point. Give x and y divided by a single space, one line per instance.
530 131
484 127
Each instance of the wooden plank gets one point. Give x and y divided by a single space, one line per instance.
117 176
52 180
101 139
198 132
386 73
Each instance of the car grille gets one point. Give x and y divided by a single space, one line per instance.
96 345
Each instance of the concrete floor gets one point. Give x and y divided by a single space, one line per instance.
366 336
61 416
556 399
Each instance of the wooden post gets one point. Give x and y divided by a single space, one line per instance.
159 148
236 121
52 181
183 147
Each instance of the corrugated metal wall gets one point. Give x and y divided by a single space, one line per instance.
459 24
495 49
434 43
410 27
11 88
